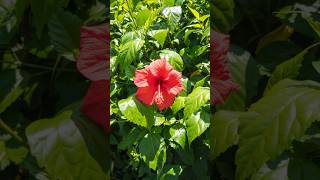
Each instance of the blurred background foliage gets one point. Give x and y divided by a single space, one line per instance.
264 132
39 45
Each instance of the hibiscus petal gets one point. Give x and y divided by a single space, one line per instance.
160 68
146 94
173 82
94 52
95 103
221 82
168 100
140 78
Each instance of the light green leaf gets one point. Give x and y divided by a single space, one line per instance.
135 112
129 53
159 35
168 3
178 134
224 132
132 35
59 147
288 69
201 82
281 116
178 104
159 120
199 97
143 16
174 59
195 13
196 125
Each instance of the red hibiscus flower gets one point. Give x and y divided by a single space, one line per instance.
93 64
158 83
221 80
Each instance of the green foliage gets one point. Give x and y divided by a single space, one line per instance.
143 31
59 147
269 128
42 133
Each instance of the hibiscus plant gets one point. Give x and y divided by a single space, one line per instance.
160 79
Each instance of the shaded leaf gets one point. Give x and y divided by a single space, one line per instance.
58 146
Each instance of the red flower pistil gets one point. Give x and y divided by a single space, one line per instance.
158 83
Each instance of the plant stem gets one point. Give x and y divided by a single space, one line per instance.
10 131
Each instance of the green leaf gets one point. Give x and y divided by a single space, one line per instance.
160 157
59 147
94 136
8 155
195 13
159 120
149 146
132 35
201 82
222 13
199 97
303 169
129 53
174 59
133 136
316 65
42 11
97 13
135 112
278 173
196 125
178 134
159 35
224 132
314 24
10 88
143 16
173 14
168 3
64 31
288 69
280 117
171 172
178 104
20 7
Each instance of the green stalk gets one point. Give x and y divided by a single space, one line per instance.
10 131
